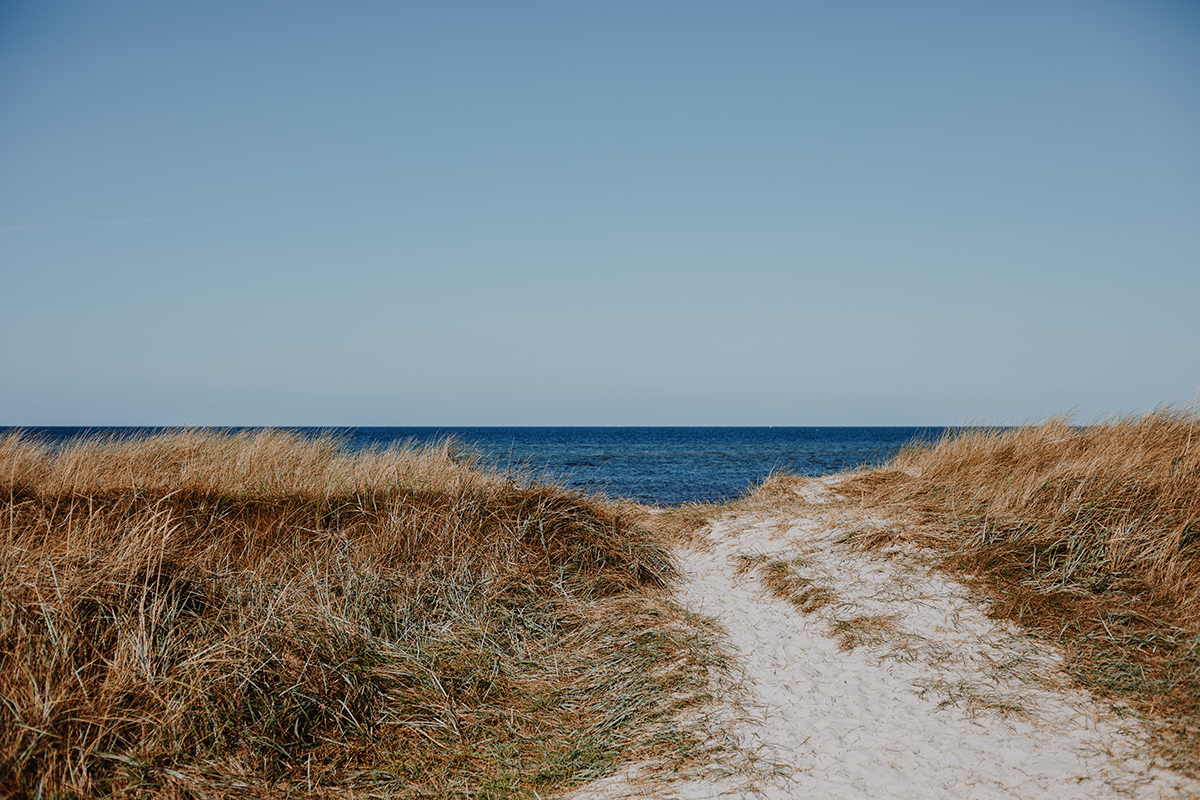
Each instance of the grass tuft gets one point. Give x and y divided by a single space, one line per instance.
785 580
871 630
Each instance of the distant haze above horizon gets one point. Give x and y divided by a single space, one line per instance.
534 213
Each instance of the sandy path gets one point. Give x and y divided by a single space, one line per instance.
896 686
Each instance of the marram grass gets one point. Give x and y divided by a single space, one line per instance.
206 615
1089 536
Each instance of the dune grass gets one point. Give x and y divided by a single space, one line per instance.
262 614
785 580
1089 536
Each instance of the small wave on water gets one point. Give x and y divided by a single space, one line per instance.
656 465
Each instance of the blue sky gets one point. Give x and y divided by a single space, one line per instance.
652 213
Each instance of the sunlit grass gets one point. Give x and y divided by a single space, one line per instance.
198 614
1089 536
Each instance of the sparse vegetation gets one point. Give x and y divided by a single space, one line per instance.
266 615
1089 536
975 699
871 630
786 580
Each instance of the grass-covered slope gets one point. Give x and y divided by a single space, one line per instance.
262 614
1087 535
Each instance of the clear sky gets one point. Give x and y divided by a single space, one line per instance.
597 213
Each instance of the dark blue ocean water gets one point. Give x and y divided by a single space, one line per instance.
663 466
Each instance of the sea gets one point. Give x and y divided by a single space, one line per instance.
661 466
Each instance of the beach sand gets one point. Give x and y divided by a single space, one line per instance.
892 684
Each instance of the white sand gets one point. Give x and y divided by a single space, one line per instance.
946 704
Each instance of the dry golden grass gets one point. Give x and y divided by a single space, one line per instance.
785 580
1086 535
197 615
864 629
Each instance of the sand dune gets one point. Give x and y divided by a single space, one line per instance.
882 678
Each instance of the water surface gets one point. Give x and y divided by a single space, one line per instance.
659 465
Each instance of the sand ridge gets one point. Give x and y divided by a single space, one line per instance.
891 682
